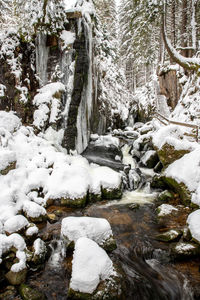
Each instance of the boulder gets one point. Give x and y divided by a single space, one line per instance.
97 229
77 202
40 252
16 278
93 273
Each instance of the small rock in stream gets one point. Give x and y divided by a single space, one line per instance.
169 236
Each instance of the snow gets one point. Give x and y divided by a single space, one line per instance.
68 38
147 156
187 171
39 247
96 229
33 210
13 240
90 265
21 265
6 158
9 121
106 141
15 224
166 209
193 222
174 136
32 230
182 247
47 102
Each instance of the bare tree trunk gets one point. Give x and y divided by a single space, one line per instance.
184 22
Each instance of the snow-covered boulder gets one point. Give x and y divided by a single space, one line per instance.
91 265
165 209
183 176
15 224
34 212
96 229
9 121
171 144
193 222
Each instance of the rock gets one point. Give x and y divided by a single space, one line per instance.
150 159
169 236
16 278
111 194
179 188
28 293
94 197
9 294
145 129
158 168
168 154
93 273
77 203
158 182
52 218
97 229
193 222
10 167
165 196
40 252
186 234
15 224
182 250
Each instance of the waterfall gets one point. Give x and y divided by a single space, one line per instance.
42 52
58 254
85 107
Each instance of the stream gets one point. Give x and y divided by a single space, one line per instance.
148 271
144 261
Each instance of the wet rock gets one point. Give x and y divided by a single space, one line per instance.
165 196
169 236
9 294
184 250
111 194
28 293
16 278
52 218
158 168
186 234
134 177
134 206
158 182
150 159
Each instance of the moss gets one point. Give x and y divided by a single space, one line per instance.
179 188
165 196
79 202
169 236
168 154
111 194
28 293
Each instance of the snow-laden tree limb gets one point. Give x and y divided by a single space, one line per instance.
191 64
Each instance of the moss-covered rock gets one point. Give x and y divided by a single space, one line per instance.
94 197
111 194
16 278
180 188
168 154
28 293
77 203
169 236
165 196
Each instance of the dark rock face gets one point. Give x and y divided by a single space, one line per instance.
11 100
80 81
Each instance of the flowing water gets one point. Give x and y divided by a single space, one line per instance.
145 261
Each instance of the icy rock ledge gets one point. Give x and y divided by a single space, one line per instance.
91 266
96 229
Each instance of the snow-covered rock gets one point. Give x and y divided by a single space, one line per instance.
9 121
193 222
150 159
40 250
165 209
90 265
96 229
15 224
34 211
